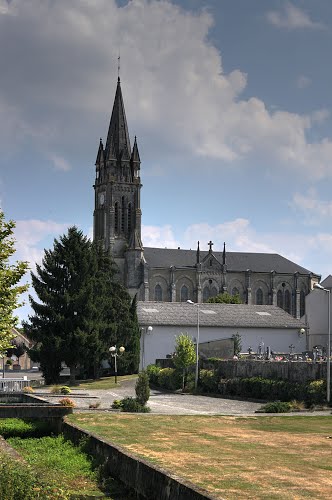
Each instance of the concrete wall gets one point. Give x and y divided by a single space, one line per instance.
149 482
294 371
317 317
161 341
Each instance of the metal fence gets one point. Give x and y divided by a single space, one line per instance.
13 384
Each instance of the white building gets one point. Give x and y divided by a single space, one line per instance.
255 323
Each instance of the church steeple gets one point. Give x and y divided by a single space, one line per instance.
118 143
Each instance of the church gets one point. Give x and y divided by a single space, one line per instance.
178 275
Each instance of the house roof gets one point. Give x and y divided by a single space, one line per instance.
217 315
327 282
236 261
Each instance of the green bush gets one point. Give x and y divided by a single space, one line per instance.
142 388
64 389
277 407
169 378
271 390
132 405
117 404
208 381
153 372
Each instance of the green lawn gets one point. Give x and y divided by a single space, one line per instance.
104 383
236 458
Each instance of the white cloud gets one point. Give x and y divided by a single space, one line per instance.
159 237
60 163
176 92
292 17
320 116
303 82
313 208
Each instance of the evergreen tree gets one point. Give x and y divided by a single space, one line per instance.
61 322
10 290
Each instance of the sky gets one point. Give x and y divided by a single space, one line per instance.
230 101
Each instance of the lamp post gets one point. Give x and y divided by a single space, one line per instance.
147 330
114 353
197 341
328 358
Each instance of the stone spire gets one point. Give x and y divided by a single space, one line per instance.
117 143
224 255
135 154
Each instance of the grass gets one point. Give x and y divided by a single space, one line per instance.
235 458
59 463
104 383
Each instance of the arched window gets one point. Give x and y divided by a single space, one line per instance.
302 303
206 294
214 292
129 218
158 293
259 297
122 214
116 217
235 291
184 293
280 301
287 304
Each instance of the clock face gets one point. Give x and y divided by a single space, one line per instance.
101 198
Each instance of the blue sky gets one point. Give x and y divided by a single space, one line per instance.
230 101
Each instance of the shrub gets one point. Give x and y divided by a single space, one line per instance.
117 404
316 392
55 389
133 406
67 402
208 381
64 389
142 388
169 378
153 372
28 389
277 407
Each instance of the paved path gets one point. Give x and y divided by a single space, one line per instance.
167 403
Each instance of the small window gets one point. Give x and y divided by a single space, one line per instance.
158 293
122 214
280 301
184 293
235 291
259 297
206 294
129 218
210 262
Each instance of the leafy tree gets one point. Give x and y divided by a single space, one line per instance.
10 276
225 298
185 355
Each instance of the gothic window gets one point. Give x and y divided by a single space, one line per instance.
206 294
210 262
129 217
116 217
259 297
158 293
280 301
214 292
235 291
287 304
122 214
302 303
184 293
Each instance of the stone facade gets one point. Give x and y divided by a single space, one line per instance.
176 275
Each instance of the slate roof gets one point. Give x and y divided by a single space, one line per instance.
218 315
327 282
236 261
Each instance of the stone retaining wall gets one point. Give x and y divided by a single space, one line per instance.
148 481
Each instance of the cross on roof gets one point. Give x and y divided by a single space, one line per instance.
210 245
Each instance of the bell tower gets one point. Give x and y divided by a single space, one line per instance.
117 212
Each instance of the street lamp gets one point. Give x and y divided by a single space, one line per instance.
328 359
147 330
114 353
197 341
